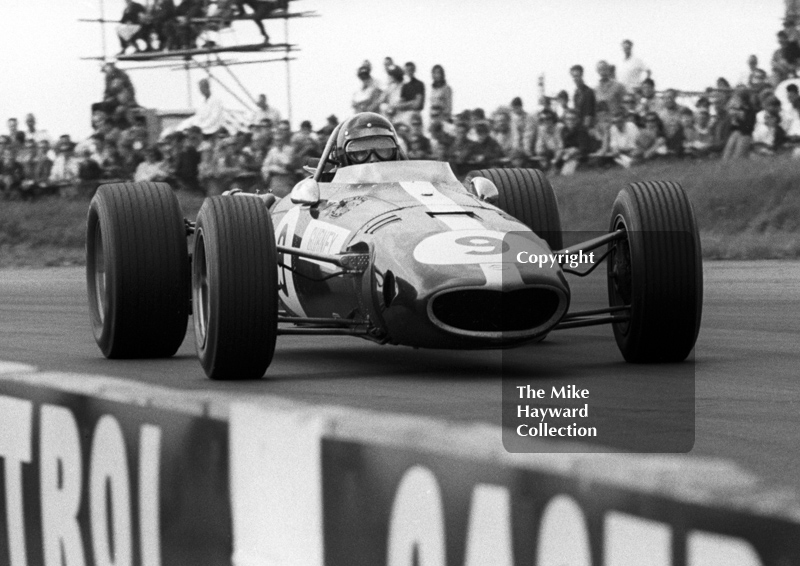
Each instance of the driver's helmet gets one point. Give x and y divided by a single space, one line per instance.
365 138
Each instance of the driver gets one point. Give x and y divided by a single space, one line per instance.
366 138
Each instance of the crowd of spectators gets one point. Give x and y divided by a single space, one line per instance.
622 121
164 25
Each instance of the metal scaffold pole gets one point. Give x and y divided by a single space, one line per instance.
288 72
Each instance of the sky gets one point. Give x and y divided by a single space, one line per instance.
492 51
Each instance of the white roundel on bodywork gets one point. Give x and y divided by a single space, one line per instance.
469 247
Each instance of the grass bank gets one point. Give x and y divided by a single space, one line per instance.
745 210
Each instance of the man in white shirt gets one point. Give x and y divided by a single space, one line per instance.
210 117
631 71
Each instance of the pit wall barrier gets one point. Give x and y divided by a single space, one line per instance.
101 471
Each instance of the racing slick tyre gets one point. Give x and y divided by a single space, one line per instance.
657 270
235 287
137 270
527 195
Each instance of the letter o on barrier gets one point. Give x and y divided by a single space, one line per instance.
563 534
109 467
417 521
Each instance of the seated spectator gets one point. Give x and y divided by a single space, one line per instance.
648 101
368 97
437 116
278 169
12 173
65 167
769 136
210 116
13 133
486 152
771 105
629 105
88 168
305 145
37 171
575 144
419 147
549 140
187 32
501 131
152 168
131 27
461 150
441 93
760 89
650 143
608 90
620 143
160 21
441 142
790 115
670 115
697 136
742 122
33 132
598 133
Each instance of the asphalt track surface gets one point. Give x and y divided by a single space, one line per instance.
747 361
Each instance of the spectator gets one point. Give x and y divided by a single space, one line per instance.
608 90
32 132
325 131
441 93
13 131
549 140
785 59
562 104
631 71
437 116
486 152
575 144
648 101
278 167
704 135
368 97
12 174
225 166
461 150
599 132
185 30
65 166
769 136
419 147
742 122
160 20
264 111
790 116
692 145
211 114
501 131
650 142
130 29
523 128
388 65
771 105
621 140
305 146
759 89
584 98
260 10
441 141
88 168
752 67
629 107
412 95
670 115
37 171
390 101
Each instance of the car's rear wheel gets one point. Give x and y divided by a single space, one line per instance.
527 195
234 287
657 270
137 270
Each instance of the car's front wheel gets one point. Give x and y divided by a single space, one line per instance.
657 270
234 287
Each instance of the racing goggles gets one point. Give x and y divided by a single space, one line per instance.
383 147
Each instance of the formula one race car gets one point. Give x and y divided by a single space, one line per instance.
396 251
